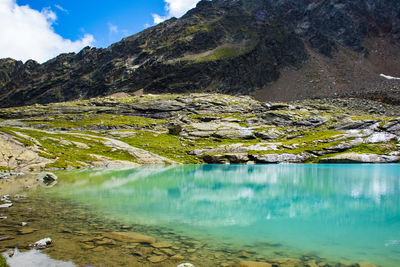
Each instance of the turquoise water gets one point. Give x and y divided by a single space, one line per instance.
347 213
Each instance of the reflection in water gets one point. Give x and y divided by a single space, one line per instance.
351 212
34 258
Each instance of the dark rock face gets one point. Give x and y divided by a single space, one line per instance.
222 46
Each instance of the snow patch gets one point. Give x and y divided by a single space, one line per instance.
389 77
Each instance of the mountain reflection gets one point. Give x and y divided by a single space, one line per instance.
241 194
350 211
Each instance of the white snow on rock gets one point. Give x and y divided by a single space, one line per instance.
389 77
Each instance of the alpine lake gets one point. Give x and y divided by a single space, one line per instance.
208 215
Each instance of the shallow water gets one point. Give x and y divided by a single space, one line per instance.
344 213
34 258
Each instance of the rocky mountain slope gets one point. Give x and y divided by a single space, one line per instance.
196 128
275 50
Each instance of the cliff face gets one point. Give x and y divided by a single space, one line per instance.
234 47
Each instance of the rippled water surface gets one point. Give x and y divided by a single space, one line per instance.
347 213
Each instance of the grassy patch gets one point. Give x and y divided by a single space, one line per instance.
3 262
90 121
380 149
2 168
71 155
220 54
165 145
11 131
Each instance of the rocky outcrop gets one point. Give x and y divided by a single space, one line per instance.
14 155
281 158
194 128
360 158
234 47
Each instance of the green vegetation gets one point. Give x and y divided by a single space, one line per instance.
68 154
196 28
169 146
89 121
2 168
3 262
380 149
221 53
13 132
80 136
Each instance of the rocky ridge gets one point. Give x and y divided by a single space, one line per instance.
195 128
273 49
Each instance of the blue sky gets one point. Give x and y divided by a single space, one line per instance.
96 17
42 29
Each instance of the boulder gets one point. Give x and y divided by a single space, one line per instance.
381 137
14 155
392 126
280 158
360 158
234 133
235 158
279 119
42 243
47 179
267 135
224 130
357 125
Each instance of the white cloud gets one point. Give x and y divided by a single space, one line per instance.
61 8
112 28
175 8
28 34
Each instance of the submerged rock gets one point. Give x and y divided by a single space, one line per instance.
27 230
130 237
157 259
365 264
254 264
161 245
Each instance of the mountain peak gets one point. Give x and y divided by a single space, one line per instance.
279 50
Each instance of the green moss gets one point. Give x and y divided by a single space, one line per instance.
380 149
196 28
2 168
72 155
314 135
11 131
89 121
166 145
220 54
3 262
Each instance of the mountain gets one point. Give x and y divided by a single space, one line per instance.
272 49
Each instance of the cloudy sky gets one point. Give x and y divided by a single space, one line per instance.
42 29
